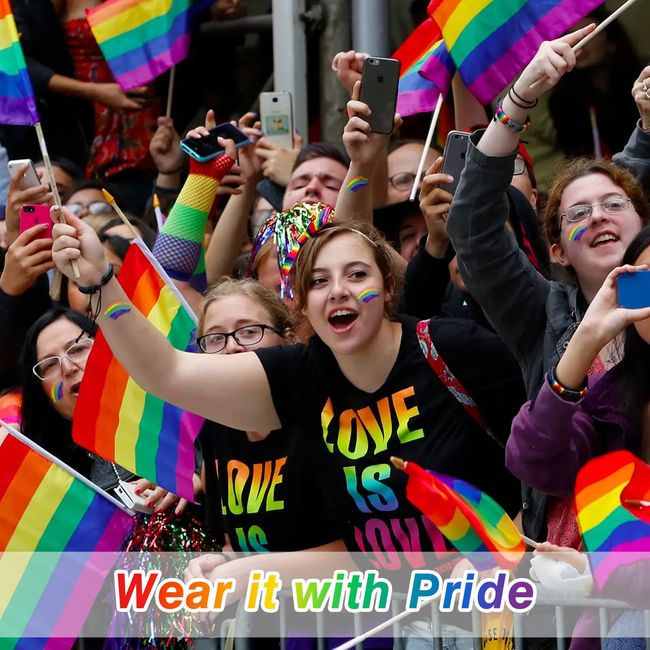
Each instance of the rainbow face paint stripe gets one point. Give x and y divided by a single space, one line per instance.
357 183
117 309
368 295
57 392
576 233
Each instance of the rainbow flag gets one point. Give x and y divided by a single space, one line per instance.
117 419
471 520
491 41
608 493
58 535
17 104
415 93
141 39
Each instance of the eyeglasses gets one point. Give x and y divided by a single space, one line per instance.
520 167
77 354
247 335
611 204
94 207
402 181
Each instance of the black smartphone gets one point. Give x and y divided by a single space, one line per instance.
453 158
208 147
379 81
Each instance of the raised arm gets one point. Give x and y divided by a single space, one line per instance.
213 386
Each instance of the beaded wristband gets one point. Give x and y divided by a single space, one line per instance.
501 116
568 394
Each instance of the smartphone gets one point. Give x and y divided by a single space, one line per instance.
634 290
379 79
33 215
208 147
453 157
276 115
30 179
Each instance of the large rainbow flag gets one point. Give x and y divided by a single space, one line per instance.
17 104
490 41
58 534
614 528
117 419
471 520
141 39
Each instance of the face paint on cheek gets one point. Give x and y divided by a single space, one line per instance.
368 295
576 233
57 392
116 310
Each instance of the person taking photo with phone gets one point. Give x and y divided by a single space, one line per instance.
594 210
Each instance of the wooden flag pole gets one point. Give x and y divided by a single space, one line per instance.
111 199
170 91
55 189
427 144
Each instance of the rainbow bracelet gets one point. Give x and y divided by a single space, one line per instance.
568 394
502 117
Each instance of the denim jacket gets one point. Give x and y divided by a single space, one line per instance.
534 316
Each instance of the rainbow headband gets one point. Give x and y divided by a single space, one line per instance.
117 309
368 295
576 233
291 229
57 392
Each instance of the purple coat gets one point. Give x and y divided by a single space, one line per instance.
552 439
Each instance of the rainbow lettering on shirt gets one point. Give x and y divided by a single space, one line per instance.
368 295
117 309
357 183
57 392
577 232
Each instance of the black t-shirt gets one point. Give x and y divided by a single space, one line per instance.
412 416
264 494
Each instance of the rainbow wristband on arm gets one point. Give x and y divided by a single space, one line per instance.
178 247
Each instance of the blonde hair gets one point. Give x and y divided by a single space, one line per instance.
279 314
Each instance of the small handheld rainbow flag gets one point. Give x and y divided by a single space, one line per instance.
17 104
611 497
117 419
141 39
491 41
415 93
53 520
471 520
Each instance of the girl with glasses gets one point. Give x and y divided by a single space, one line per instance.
594 210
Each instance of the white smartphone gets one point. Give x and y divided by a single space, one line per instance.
276 115
30 179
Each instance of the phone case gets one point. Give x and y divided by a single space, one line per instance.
379 90
32 215
207 148
453 161
126 492
634 290
276 115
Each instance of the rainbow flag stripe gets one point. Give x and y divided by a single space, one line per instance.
141 39
490 41
471 520
415 93
50 515
117 419
609 528
17 104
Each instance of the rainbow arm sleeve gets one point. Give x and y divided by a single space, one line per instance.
178 247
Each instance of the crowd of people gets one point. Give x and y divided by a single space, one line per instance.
479 334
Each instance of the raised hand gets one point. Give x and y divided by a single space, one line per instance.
27 258
641 94
76 240
277 162
17 197
348 67
435 203
363 146
164 147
